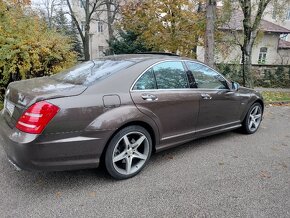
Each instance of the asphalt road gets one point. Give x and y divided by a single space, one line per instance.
227 175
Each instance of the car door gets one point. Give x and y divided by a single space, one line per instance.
163 93
219 106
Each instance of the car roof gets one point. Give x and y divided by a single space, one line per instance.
143 57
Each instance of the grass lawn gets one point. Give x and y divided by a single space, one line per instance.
275 96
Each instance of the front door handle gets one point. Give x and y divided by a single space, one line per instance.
149 97
206 96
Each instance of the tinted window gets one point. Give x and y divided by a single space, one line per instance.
170 75
146 81
92 71
205 77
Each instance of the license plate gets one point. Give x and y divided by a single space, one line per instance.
9 107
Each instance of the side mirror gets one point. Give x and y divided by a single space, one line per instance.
235 86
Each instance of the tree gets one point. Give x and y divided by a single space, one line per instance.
94 10
251 23
165 25
112 10
28 47
54 12
126 43
63 25
48 9
251 14
210 31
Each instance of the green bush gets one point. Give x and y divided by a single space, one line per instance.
231 71
28 48
271 78
275 78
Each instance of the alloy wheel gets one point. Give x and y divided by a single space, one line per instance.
255 118
130 153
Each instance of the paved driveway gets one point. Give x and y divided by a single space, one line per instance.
228 175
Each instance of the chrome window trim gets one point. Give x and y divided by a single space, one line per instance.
196 62
159 62
187 89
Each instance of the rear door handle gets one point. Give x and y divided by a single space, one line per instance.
149 97
206 96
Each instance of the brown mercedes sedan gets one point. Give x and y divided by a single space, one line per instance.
118 110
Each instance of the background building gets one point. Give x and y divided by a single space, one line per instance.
271 47
98 28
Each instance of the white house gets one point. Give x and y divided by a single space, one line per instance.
271 47
98 29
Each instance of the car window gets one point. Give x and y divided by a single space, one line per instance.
146 81
91 71
170 75
205 77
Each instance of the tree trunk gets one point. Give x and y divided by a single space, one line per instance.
86 42
247 69
86 46
110 19
251 27
209 34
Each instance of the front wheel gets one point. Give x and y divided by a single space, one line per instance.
128 152
253 118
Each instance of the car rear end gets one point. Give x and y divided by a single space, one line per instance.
27 113
44 124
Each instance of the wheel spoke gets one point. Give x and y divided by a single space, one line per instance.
138 155
257 116
251 124
255 124
128 164
120 156
126 140
255 111
138 142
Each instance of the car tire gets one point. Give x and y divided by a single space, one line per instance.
128 152
253 119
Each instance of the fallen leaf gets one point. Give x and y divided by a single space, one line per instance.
58 194
265 174
284 165
275 149
93 194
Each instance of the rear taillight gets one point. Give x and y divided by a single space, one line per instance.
36 117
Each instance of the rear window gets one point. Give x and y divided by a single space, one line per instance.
91 71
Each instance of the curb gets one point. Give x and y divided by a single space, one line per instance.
277 102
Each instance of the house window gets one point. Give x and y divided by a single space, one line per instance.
83 25
284 37
101 51
262 55
288 15
82 3
100 27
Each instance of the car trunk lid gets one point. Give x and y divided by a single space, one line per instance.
20 95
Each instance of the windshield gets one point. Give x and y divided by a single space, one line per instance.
91 71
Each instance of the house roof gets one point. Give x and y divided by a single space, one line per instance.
284 44
236 23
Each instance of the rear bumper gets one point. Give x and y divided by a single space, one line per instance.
53 152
